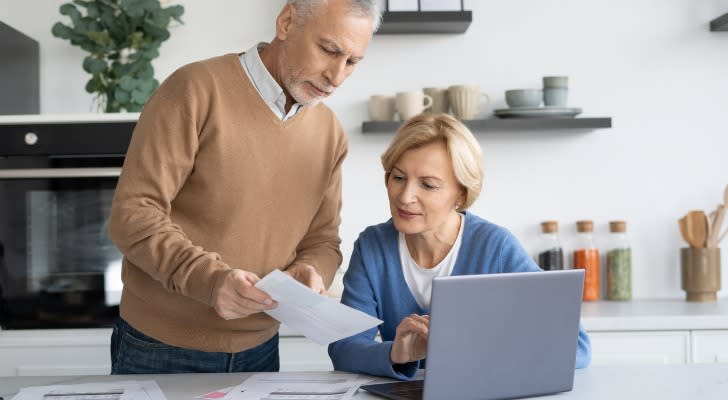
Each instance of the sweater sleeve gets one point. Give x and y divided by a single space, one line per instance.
513 258
320 246
361 353
160 157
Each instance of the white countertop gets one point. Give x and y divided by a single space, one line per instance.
641 315
67 118
662 382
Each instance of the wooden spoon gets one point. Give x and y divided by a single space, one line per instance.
682 222
697 225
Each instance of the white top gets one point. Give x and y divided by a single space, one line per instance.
419 280
270 91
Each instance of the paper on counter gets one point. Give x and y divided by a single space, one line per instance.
122 390
317 317
298 386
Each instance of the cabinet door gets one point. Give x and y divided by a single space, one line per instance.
301 354
55 352
710 346
640 348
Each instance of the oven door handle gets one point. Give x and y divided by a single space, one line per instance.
52 173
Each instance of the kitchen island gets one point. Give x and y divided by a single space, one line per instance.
663 382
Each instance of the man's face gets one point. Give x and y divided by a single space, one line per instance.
321 53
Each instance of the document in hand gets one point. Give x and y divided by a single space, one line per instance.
318 317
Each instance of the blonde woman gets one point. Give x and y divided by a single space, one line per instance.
433 173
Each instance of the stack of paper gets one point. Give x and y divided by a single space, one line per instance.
298 386
123 390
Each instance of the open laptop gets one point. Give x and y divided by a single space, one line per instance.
498 336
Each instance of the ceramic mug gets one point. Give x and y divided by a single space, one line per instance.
412 103
465 100
381 107
440 100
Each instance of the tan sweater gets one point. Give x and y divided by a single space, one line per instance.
214 180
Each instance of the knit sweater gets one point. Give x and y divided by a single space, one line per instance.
375 284
214 180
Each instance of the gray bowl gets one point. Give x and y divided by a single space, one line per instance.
524 97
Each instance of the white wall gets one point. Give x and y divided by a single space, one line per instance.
652 65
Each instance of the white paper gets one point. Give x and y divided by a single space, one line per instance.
317 317
122 390
298 386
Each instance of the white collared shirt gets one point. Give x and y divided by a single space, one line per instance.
268 89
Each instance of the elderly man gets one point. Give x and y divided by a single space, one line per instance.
234 170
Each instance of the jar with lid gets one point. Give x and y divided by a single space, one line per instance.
586 257
619 263
551 255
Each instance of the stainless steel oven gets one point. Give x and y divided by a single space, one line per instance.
58 268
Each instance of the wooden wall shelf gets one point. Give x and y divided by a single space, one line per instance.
507 124
720 23
417 22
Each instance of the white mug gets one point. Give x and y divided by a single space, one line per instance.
381 107
465 100
410 104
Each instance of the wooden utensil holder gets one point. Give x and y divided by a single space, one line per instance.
700 272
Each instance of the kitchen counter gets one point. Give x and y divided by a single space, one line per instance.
650 315
667 382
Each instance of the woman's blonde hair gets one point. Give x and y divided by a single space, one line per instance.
464 150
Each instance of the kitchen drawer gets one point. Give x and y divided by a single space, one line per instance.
641 348
710 346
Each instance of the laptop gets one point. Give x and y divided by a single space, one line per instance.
498 336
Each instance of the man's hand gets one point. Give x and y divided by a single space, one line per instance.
307 275
410 339
234 296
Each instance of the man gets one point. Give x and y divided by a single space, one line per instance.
234 170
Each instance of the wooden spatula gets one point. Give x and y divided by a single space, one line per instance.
683 223
697 226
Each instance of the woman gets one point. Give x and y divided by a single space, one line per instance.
433 173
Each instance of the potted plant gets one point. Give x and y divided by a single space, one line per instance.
122 37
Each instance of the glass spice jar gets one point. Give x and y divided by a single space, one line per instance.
619 263
551 255
586 257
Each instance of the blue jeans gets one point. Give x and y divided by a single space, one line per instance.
133 352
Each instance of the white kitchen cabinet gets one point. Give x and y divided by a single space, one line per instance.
710 346
644 348
55 352
86 352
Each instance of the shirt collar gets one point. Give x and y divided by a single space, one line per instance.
271 92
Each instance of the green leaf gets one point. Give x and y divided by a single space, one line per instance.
121 95
175 12
92 11
92 85
93 65
139 96
100 38
127 83
61 31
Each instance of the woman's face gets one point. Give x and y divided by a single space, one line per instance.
423 191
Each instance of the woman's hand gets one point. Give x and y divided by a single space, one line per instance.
410 339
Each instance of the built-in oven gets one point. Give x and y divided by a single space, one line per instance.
58 268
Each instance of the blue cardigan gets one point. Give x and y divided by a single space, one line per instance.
375 284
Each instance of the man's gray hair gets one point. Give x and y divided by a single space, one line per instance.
362 8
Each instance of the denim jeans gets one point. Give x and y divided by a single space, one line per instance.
133 352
